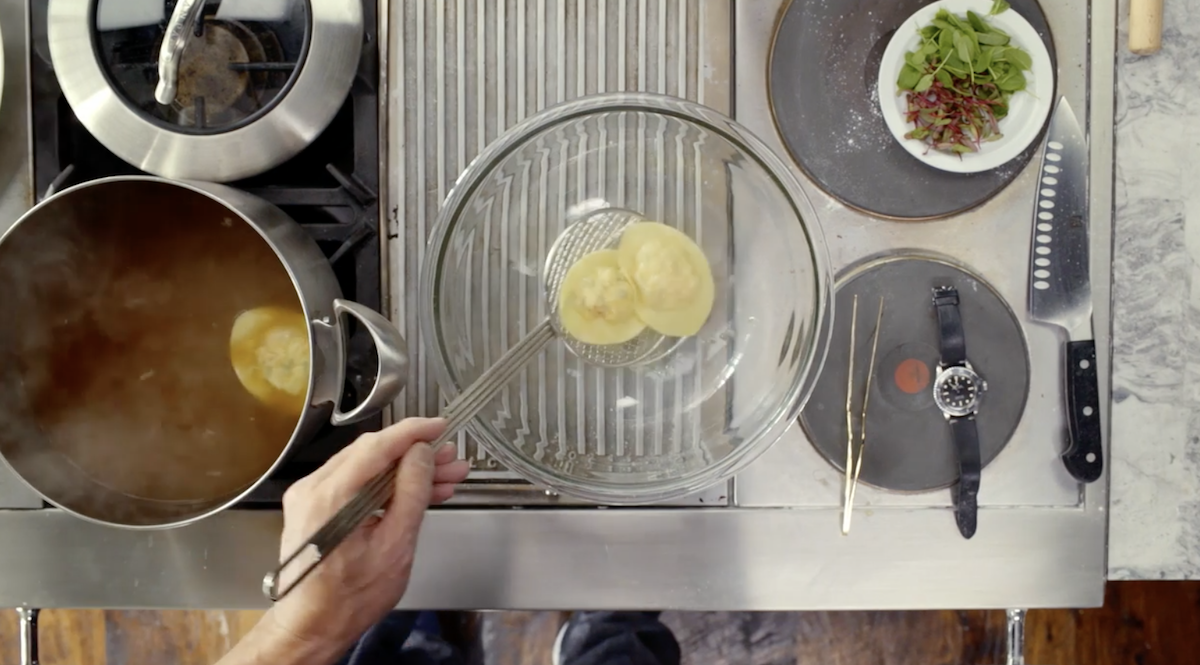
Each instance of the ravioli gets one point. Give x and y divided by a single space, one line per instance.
596 303
269 350
672 277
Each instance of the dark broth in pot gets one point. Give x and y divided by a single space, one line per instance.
124 296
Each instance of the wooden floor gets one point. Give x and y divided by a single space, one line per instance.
1142 623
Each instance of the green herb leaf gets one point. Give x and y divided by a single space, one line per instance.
999 7
1014 82
993 38
944 77
1020 58
920 134
984 60
915 59
909 77
945 43
977 22
962 46
927 81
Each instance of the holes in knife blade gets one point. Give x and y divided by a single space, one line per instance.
1049 193
1041 286
1043 250
1091 458
1088 411
1046 215
1084 364
1047 204
1044 263
1041 274
1055 145
1049 181
1045 228
1045 240
1050 168
1053 157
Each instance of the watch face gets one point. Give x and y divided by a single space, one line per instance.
957 390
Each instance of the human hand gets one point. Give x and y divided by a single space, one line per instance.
366 575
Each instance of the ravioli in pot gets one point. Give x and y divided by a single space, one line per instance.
596 302
268 347
673 279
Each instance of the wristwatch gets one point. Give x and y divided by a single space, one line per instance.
957 391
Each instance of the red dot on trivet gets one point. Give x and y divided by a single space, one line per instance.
912 376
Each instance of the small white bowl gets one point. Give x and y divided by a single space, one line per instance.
1027 110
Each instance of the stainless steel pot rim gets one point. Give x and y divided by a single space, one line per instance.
218 503
815 342
315 97
1 66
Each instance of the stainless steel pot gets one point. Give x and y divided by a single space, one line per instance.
123 118
319 296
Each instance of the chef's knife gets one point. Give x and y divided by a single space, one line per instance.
1060 290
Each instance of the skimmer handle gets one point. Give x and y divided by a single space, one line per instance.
378 491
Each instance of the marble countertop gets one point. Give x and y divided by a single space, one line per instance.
1154 523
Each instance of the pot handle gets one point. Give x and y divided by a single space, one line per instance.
393 361
182 23
29 635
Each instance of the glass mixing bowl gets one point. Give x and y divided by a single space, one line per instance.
705 406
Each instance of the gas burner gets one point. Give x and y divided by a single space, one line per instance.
232 69
215 90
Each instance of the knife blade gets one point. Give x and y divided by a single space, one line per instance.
1060 289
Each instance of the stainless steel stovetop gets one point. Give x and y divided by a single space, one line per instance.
456 75
459 92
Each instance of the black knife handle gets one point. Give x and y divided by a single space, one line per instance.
1084 457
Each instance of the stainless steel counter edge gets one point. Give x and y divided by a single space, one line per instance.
16 180
717 559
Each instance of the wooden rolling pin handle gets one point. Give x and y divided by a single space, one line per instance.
1145 26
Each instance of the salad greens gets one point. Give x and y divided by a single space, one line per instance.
960 80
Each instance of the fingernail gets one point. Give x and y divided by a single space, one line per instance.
422 454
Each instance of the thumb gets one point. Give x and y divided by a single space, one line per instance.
413 491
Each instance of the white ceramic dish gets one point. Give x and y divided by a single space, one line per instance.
1027 110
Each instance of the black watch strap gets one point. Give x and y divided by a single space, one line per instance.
952 340
966 493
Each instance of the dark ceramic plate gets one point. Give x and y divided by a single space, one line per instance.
822 80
